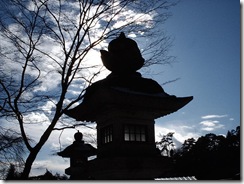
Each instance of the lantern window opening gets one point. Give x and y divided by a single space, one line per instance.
107 134
135 133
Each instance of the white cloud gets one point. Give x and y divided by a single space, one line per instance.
208 129
186 127
48 107
211 125
131 16
181 132
212 128
132 35
54 164
37 117
214 116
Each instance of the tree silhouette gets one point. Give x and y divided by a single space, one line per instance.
211 157
188 145
47 56
166 145
12 174
49 176
11 150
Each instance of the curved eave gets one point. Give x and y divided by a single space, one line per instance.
155 105
73 151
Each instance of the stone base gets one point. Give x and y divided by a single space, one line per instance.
130 168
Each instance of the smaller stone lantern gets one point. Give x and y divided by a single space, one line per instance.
78 152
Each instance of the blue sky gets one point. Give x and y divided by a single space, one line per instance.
207 49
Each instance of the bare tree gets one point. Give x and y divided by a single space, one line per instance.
48 50
11 151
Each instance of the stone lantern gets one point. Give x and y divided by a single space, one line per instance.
78 152
124 105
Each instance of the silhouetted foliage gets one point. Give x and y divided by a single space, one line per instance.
11 151
49 176
210 157
12 173
188 145
166 145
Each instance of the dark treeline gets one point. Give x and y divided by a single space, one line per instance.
14 175
210 157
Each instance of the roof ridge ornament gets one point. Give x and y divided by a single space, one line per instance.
123 55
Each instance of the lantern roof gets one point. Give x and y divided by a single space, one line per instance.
133 93
78 148
125 89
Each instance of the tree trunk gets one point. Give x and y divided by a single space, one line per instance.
33 152
28 164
